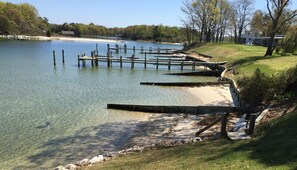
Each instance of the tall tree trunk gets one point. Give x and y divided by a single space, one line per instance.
270 47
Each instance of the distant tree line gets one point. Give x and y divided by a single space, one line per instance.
24 19
214 20
21 19
137 32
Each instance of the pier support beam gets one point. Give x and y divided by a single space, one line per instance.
224 121
54 57
63 60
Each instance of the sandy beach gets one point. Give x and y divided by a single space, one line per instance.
43 38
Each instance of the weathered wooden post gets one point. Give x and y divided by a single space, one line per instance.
78 63
169 64
96 58
194 65
121 61
157 63
132 63
182 65
54 57
142 49
145 60
252 124
108 62
117 48
134 49
108 47
97 49
63 57
92 60
224 121
125 48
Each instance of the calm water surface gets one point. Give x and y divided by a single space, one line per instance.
52 116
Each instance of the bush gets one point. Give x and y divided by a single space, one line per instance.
256 89
260 88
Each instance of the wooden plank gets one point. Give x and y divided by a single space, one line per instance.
185 83
196 110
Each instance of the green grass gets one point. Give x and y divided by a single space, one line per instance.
273 147
246 59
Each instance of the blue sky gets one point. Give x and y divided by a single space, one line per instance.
116 13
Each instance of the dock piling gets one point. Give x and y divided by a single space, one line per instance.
125 48
157 63
92 61
169 64
78 63
63 60
54 57
121 61
182 65
134 49
145 60
224 133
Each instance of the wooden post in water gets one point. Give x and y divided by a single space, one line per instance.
194 64
150 49
182 65
78 63
117 48
125 48
134 49
224 121
252 124
63 57
169 64
142 49
95 58
108 62
54 57
121 61
108 47
158 49
97 49
132 63
92 61
157 63
144 59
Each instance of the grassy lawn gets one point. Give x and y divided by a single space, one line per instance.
273 147
246 59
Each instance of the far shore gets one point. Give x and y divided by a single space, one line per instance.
79 39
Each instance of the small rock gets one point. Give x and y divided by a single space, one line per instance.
60 168
96 159
83 162
71 167
108 155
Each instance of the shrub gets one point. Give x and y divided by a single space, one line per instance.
256 89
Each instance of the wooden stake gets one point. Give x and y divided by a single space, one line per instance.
157 63
54 57
78 63
224 133
144 59
63 57
121 61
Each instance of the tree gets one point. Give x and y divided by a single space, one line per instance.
241 17
280 18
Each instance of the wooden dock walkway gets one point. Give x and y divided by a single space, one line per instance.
196 110
181 84
180 62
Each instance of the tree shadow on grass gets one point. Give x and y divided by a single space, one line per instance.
275 144
251 59
95 140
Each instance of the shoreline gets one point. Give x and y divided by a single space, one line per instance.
79 39
54 38
157 129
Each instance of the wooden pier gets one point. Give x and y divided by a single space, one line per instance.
142 50
167 62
